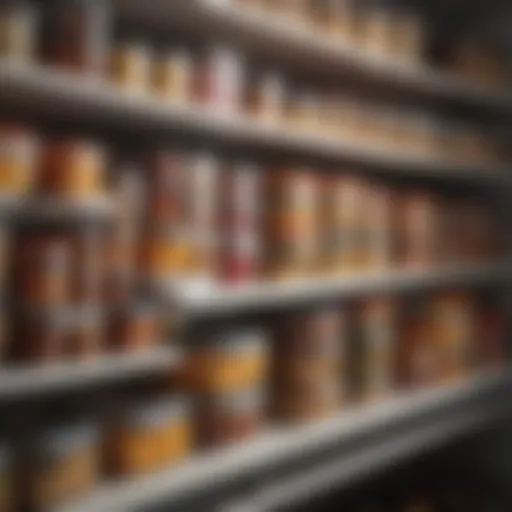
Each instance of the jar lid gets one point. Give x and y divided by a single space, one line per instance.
60 440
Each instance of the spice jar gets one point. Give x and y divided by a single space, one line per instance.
87 335
229 416
377 346
18 29
6 480
172 76
77 35
42 269
43 336
64 466
135 326
264 98
73 169
217 80
148 435
130 66
18 159
229 360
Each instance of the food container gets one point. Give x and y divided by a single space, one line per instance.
239 258
77 35
172 76
375 30
64 466
135 327
229 416
218 80
43 270
6 480
73 169
408 36
227 361
128 188
43 336
148 435
18 160
265 97
130 66
378 347
87 334
18 30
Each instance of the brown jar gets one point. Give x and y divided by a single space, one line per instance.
18 160
228 361
135 327
77 35
64 465
130 66
43 270
147 436
18 30
87 335
44 336
229 416
172 76
73 169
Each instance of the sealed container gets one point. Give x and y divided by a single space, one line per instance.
130 66
377 348
218 80
18 160
147 436
6 480
18 30
73 169
87 334
43 269
88 271
77 35
136 326
43 336
64 466
172 76
265 97
227 361
230 416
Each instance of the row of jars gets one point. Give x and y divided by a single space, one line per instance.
304 366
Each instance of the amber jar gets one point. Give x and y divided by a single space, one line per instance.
18 160
64 465
172 76
130 66
6 480
18 30
228 361
42 269
73 169
135 327
229 416
44 336
77 35
146 436
87 334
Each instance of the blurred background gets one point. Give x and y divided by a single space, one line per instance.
255 255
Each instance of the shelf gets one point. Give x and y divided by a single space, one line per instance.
270 36
277 295
284 445
17 383
62 96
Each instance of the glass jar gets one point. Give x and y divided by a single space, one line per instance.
172 76
73 169
230 416
18 30
135 327
228 361
77 35
130 66
64 466
18 160
147 436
